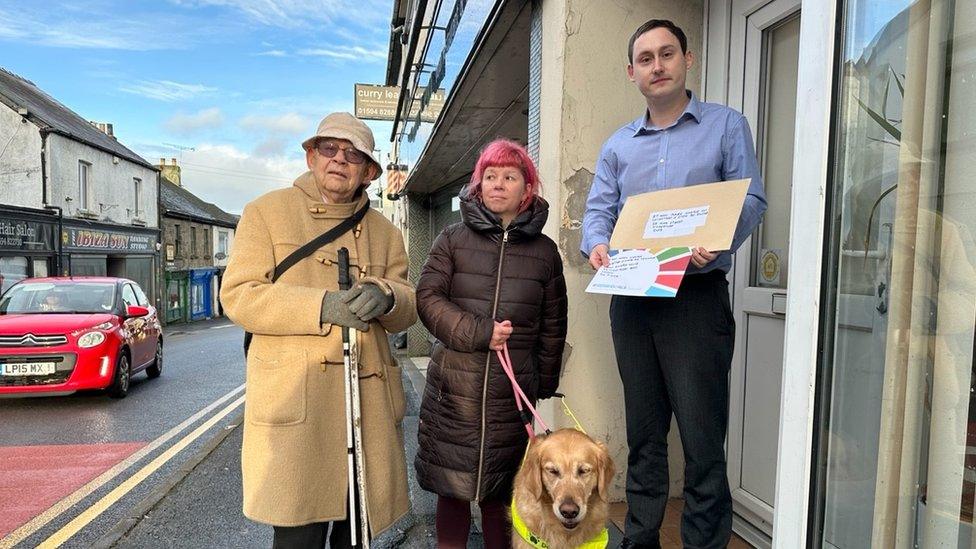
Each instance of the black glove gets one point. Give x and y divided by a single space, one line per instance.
368 301
335 310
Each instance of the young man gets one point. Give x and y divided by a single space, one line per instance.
674 355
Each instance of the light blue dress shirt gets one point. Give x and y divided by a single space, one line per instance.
707 143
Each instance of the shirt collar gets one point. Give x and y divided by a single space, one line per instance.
692 109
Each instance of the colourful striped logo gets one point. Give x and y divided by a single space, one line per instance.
672 263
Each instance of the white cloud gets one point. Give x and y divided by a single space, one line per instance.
272 53
289 123
166 90
291 14
230 177
185 124
355 53
64 26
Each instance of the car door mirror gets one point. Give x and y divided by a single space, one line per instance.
136 310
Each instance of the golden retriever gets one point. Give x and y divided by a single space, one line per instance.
561 491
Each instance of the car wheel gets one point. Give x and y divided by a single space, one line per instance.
156 368
123 373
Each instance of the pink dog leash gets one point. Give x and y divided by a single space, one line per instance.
506 361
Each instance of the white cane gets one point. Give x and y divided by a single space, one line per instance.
356 463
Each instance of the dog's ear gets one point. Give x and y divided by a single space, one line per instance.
532 468
606 471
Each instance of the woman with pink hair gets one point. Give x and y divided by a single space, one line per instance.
490 281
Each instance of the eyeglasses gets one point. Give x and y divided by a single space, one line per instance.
329 150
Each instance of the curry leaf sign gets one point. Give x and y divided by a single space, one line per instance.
380 103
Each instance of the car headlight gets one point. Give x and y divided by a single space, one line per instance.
91 339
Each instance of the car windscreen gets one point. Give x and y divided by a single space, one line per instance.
62 297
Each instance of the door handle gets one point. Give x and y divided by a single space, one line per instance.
778 305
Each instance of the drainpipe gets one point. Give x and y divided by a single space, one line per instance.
44 133
58 259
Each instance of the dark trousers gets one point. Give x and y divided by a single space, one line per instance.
312 536
674 357
454 523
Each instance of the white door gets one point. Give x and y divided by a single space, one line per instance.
763 52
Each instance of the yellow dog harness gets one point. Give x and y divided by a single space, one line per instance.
600 541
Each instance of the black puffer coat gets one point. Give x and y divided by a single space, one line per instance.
471 437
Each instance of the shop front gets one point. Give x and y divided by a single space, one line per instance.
28 244
96 249
852 409
203 284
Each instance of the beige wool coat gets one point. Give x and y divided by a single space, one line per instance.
294 453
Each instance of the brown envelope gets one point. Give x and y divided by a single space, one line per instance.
698 215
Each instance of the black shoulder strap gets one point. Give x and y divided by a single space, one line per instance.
319 241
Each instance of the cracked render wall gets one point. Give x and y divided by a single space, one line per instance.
585 96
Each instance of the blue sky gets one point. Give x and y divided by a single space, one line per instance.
240 81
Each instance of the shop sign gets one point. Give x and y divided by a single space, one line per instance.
94 239
18 234
380 103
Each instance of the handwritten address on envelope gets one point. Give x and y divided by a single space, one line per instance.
678 222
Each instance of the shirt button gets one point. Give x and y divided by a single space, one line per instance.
661 161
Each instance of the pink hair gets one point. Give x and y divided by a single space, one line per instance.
505 153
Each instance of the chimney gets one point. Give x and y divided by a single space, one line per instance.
104 127
170 171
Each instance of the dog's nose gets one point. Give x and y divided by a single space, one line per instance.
569 510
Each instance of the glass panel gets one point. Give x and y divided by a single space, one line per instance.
12 270
40 268
779 120
129 296
901 428
174 300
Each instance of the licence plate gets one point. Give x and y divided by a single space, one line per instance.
27 368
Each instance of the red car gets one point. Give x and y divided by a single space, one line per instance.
60 335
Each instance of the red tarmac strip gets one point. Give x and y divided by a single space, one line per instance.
33 478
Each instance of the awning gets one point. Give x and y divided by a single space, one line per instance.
490 99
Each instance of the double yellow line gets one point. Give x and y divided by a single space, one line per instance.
100 506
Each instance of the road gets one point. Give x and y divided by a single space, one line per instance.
71 467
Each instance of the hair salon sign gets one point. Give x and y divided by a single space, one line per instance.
18 234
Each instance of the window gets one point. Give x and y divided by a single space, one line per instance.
222 242
193 241
141 296
178 239
137 190
83 189
12 270
899 432
129 295
206 244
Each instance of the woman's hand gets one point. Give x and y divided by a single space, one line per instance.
500 335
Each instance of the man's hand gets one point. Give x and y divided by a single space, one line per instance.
700 257
599 256
367 301
335 310
500 335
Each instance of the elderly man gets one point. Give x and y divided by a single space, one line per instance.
294 453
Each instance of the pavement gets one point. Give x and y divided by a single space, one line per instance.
200 505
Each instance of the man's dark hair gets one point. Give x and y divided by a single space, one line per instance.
657 24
